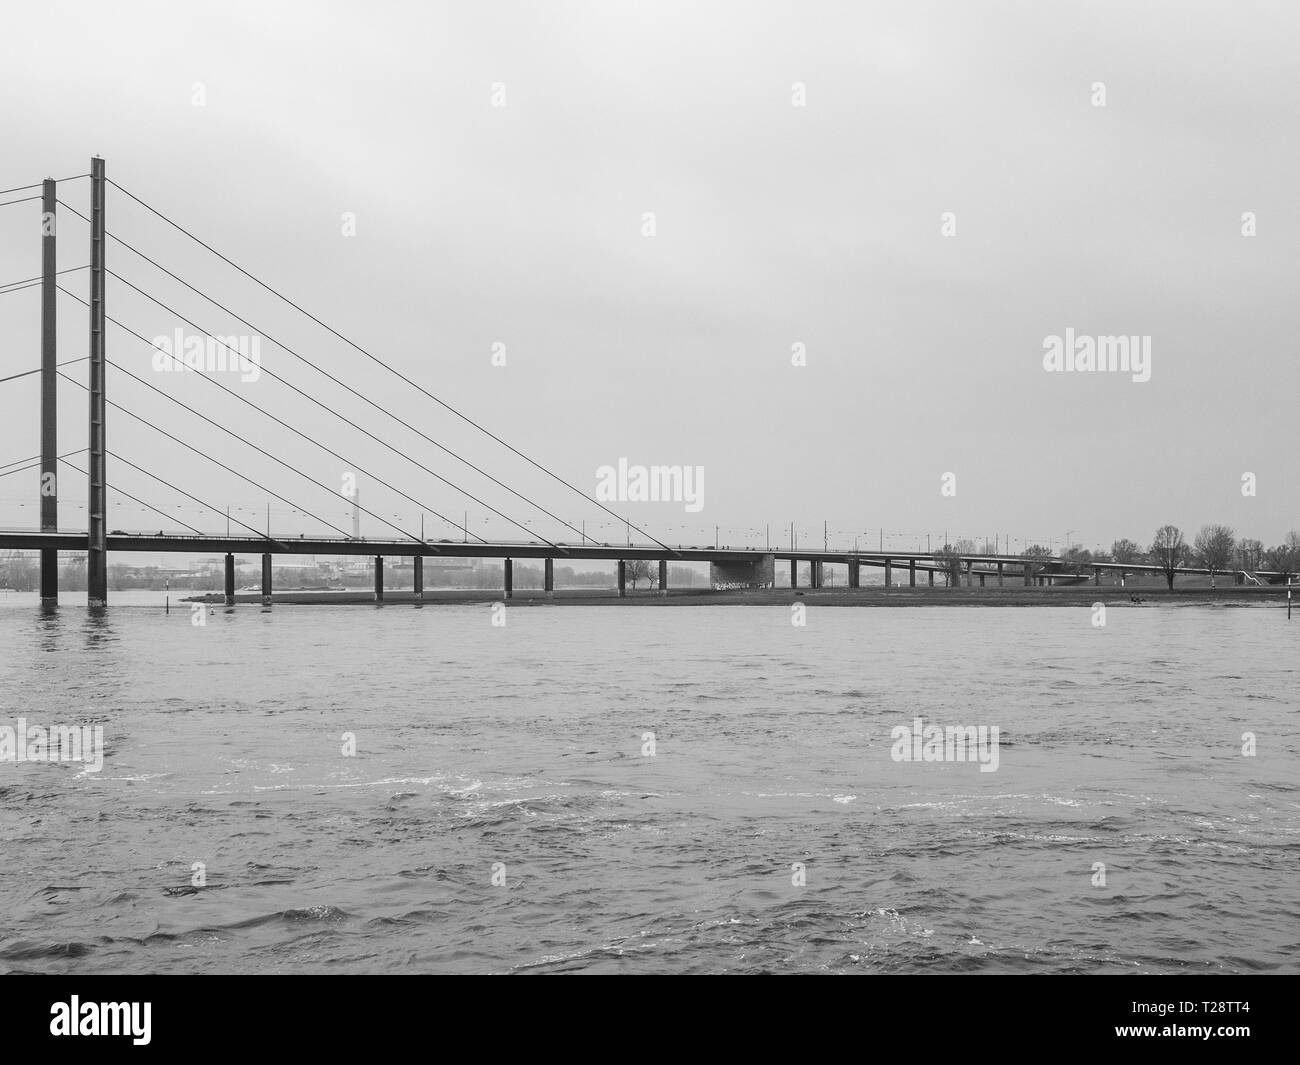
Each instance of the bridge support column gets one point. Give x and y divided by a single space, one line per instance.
794 573
932 578
548 578
855 577
379 578
889 573
1028 571
999 574
417 565
509 568
663 576
266 580
968 568
981 580
1096 574
816 572
622 578
230 580
911 573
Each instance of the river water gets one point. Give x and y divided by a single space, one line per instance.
771 829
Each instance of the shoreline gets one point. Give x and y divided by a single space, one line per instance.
836 597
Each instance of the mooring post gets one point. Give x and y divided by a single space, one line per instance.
230 580
49 395
97 503
510 578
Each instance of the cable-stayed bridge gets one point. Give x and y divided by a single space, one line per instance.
728 566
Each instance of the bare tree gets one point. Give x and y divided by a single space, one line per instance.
1169 551
1285 558
1213 547
1124 551
949 561
638 569
1250 554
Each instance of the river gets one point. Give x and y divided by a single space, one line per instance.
616 789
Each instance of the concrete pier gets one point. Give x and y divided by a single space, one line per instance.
855 576
379 578
417 565
663 576
931 578
794 573
622 578
230 580
548 579
889 573
999 574
509 568
266 580
911 573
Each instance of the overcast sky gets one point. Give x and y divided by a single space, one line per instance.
258 126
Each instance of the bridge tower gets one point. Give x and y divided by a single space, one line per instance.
49 394
97 509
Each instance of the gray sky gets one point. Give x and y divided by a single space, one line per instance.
775 225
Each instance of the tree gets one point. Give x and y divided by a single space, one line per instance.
1124 551
1213 547
1032 554
1285 558
1169 551
1250 554
1077 559
949 561
638 569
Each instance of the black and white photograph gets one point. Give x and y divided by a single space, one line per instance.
635 487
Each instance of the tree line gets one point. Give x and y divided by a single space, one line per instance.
1215 548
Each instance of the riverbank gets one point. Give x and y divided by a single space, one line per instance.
1077 595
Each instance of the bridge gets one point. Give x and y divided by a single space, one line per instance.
728 566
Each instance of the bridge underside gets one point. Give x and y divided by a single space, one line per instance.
757 572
